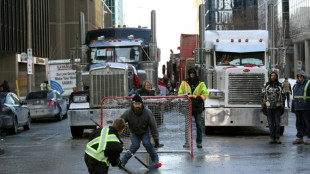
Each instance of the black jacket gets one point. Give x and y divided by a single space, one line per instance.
112 151
143 92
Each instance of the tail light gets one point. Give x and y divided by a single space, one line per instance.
51 103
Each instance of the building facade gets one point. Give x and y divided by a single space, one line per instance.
14 36
300 34
116 6
231 14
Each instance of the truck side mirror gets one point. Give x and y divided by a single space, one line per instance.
164 69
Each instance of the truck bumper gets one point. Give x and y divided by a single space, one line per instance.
239 117
81 117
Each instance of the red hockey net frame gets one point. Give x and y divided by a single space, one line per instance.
165 109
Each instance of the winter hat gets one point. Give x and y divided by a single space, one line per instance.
192 70
137 98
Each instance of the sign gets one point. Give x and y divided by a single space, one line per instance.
29 61
29 66
299 65
23 55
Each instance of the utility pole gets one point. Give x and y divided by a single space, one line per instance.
29 37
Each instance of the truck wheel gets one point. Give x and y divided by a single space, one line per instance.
209 130
281 130
77 131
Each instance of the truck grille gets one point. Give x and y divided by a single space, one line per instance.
107 82
245 88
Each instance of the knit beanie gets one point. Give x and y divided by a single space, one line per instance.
137 98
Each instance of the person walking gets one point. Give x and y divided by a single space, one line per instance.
273 98
301 105
288 91
104 147
141 122
198 93
5 86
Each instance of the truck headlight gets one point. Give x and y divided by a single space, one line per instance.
216 94
80 99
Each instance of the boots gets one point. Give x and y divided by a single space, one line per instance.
298 141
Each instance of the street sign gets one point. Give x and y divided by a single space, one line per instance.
299 65
23 55
29 61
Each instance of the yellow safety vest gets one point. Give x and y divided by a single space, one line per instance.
305 93
102 141
201 90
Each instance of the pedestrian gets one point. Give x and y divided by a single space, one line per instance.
141 122
301 105
198 93
104 148
146 89
273 102
288 91
5 86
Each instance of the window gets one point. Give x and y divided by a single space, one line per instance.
237 59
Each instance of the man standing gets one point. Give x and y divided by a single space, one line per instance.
5 86
273 98
301 105
104 147
140 121
198 93
288 91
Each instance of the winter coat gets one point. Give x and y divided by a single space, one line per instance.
195 87
112 152
273 95
140 124
287 87
143 92
301 94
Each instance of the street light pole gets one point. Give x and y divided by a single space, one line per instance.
29 37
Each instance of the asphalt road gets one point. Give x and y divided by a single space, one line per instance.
48 147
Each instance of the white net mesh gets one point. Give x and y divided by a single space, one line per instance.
172 115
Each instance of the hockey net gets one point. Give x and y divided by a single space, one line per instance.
173 116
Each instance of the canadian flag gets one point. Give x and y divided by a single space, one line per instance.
162 87
135 76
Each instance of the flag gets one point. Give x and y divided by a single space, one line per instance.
269 69
162 87
135 76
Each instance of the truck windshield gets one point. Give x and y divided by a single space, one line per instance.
238 59
115 54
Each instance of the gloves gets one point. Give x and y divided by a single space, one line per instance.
156 143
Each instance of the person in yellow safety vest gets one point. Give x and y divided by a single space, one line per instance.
198 93
301 106
104 147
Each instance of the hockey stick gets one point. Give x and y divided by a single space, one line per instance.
155 166
124 168
95 122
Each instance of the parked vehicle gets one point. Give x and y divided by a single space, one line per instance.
46 104
116 57
13 113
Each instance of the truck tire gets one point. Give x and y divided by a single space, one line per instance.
209 130
281 130
77 131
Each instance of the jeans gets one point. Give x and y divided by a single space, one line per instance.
198 127
135 145
288 99
303 123
274 123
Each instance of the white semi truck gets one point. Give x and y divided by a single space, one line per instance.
237 72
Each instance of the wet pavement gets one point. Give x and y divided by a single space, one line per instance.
49 148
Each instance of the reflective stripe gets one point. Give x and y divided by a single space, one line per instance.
94 141
102 144
305 92
186 87
90 151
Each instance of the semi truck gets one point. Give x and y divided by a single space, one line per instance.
116 56
234 64
178 70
